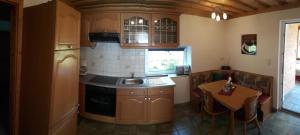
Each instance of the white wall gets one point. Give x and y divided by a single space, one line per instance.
206 37
29 3
182 89
266 26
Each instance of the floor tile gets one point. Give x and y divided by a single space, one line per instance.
187 122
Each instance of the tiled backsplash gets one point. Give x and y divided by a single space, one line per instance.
109 59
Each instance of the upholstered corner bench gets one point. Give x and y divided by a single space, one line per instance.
258 82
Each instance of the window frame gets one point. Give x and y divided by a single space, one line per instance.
298 44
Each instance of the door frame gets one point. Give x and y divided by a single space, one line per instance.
15 60
281 57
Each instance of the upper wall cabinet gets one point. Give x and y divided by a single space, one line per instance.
67 27
16 1
105 22
165 32
135 30
98 22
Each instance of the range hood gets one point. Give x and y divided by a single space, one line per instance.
104 37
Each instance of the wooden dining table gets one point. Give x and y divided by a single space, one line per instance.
233 102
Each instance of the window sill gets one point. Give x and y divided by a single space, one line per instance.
165 75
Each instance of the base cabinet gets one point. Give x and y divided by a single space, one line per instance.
160 108
131 109
140 106
67 126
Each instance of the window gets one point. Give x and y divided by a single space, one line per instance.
298 46
164 61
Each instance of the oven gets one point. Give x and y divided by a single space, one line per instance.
100 100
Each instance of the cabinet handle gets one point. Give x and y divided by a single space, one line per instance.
145 98
69 45
131 92
149 98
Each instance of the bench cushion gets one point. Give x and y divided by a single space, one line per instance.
263 99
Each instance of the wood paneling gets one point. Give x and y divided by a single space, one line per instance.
235 8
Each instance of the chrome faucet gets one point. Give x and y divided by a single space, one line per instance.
132 74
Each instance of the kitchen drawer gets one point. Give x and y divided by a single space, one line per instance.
127 92
160 91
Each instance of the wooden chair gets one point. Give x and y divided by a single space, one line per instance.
248 113
212 107
197 100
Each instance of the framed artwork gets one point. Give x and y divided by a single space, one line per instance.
249 44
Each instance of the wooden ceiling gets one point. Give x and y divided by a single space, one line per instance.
235 8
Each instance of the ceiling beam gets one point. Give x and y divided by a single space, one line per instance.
244 4
222 5
274 8
264 4
281 2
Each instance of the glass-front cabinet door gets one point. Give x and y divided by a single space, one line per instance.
135 30
165 31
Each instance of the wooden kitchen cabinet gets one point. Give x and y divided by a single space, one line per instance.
67 27
15 1
65 84
50 69
84 31
154 105
160 104
131 109
67 127
165 32
105 22
135 30
92 22
160 108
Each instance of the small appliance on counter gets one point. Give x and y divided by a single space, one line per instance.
83 67
183 70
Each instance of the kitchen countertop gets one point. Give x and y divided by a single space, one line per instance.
149 82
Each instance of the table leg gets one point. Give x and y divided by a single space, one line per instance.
231 129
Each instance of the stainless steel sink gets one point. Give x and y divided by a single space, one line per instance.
132 81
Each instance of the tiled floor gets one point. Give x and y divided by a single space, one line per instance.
292 99
187 122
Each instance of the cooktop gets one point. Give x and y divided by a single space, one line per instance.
104 80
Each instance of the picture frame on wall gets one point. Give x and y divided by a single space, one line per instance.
249 44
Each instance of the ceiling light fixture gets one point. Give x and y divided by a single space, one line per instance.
217 13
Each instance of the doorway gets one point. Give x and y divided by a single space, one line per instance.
5 58
291 68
